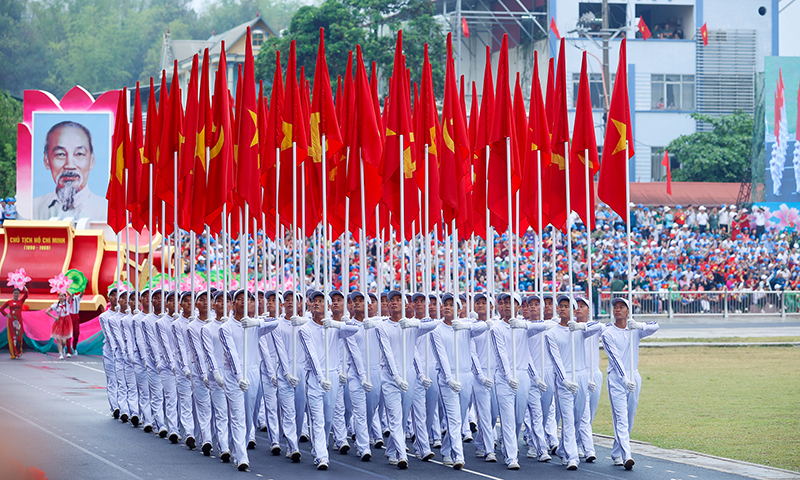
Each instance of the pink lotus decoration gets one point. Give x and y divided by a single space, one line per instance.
59 284
18 279
199 284
787 217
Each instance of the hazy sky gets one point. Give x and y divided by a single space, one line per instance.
789 33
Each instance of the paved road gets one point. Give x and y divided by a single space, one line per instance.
54 416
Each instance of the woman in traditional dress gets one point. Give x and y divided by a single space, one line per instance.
61 330
12 310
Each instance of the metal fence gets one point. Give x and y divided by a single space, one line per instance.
677 303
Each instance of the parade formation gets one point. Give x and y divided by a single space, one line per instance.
208 366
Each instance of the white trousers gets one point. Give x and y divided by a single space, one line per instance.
270 399
286 412
592 399
111 379
423 414
170 399
219 407
131 388
454 414
185 405
512 405
623 409
237 418
122 385
398 409
320 405
143 387
571 406
156 396
536 435
202 410
486 412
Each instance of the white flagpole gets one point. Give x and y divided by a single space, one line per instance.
208 239
628 228
176 231
427 251
294 256
455 291
163 247
379 257
278 236
402 256
569 258
510 252
225 266
191 269
540 271
150 228
301 238
243 246
325 237
362 256
589 191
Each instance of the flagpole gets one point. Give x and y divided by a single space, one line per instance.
402 256
447 278
163 245
489 242
427 251
279 238
510 252
628 228
362 256
136 272
554 231
294 257
569 257
540 271
589 191
176 231
454 233
150 226
379 258
325 237
225 269
245 274
255 266
208 239
191 270
301 240
264 253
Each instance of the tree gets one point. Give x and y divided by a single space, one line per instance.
10 115
719 155
373 24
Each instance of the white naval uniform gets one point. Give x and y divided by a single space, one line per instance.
168 370
140 368
617 344
397 403
242 405
447 345
285 393
202 394
183 379
425 403
152 360
485 400
320 404
269 397
512 404
365 404
539 402
125 329
296 360
571 406
109 360
212 348
594 374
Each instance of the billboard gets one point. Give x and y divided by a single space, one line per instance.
64 155
781 133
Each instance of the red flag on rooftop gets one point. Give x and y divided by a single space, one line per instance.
554 27
618 144
584 149
120 149
643 29
704 34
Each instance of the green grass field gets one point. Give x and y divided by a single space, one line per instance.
725 340
740 402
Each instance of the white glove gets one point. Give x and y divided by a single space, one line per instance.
513 383
345 318
541 385
331 323
571 386
401 384
426 382
244 384
472 315
218 378
592 386
519 323
409 323
342 378
573 326
549 324
174 370
369 324
487 382
293 381
461 325
454 386
188 374
251 322
274 380
634 325
631 386
366 385
205 380
325 384
298 321
489 322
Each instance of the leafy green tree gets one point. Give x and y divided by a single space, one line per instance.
719 155
10 115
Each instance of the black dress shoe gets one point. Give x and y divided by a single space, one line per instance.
225 457
251 445
303 438
206 449
148 429
190 443
629 464
173 437
243 467
116 413
163 433
276 450
135 420
124 418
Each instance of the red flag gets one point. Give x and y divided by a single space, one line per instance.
484 132
365 138
376 102
464 27
149 156
399 153
611 187
202 131
550 94
536 146
456 151
171 141
120 149
704 34
294 136
665 162
246 151
220 168
520 120
338 184
134 165
429 132
554 27
556 201
643 29
188 151
274 139
583 144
